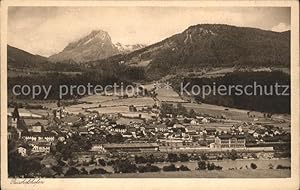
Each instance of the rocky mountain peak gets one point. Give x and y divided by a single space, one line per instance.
94 46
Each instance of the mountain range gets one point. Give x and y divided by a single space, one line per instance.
199 46
213 45
18 58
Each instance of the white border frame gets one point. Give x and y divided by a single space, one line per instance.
161 183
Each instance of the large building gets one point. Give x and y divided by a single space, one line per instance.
229 141
132 147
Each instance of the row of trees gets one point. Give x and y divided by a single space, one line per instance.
103 74
182 157
203 165
74 171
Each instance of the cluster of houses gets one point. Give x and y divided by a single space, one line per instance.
139 135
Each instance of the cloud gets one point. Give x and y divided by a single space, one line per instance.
281 27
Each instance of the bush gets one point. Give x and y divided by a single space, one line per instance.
210 166
102 162
148 168
203 157
201 165
184 157
253 166
218 167
184 168
271 166
124 166
110 163
233 154
173 157
170 168
140 160
283 167
72 171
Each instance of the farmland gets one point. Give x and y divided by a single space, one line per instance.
263 173
231 169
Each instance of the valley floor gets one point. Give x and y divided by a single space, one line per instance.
258 173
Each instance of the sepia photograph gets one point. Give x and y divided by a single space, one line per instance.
149 90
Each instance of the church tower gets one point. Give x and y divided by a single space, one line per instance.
15 117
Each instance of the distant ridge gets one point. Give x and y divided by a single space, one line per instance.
20 58
213 45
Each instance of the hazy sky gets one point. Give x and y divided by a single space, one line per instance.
47 30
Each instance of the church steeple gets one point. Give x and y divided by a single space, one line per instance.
58 103
15 113
15 117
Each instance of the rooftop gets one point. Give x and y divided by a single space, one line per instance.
131 145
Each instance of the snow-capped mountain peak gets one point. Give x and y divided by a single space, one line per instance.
126 48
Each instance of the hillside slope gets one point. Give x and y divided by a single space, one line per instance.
213 45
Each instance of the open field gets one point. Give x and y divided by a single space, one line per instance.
98 98
29 112
210 174
137 114
140 101
168 95
200 174
218 72
262 170
127 121
109 104
107 110
233 113
226 164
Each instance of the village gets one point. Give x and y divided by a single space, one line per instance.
84 139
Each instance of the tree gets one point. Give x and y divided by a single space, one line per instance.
140 159
183 157
72 171
283 167
148 168
184 168
117 138
253 166
102 162
124 166
92 161
271 166
172 157
151 159
233 154
203 157
98 171
170 168
210 166
19 166
192 113
201 165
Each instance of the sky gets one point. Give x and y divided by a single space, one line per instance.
47 30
